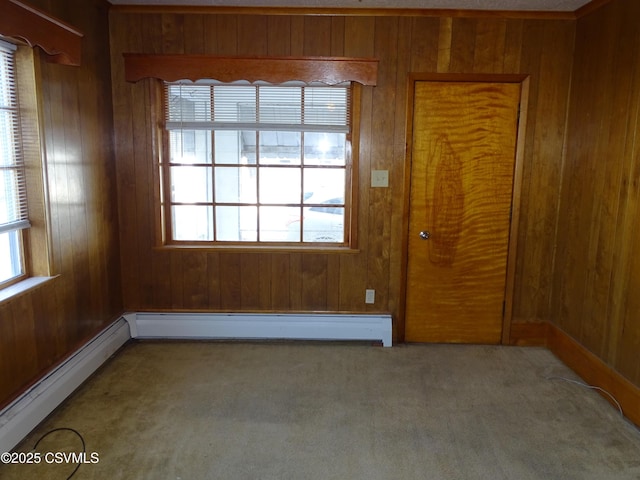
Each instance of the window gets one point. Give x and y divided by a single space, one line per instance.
13 198
257 164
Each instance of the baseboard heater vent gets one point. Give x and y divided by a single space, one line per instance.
313 326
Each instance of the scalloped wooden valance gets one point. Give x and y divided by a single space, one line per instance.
329 70
61 42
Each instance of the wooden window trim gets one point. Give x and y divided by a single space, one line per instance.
163 233
329 70
36 240
60 41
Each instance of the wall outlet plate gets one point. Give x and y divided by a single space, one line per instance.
380 178
369 296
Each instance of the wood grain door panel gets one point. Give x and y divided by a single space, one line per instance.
463 157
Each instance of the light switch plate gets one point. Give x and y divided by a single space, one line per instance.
380 178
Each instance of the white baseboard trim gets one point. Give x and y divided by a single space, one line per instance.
33 406
312 326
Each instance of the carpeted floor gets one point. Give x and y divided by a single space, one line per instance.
334 411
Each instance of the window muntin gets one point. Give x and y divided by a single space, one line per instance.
13 199
257 164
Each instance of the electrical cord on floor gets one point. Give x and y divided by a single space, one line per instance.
592 387
84 446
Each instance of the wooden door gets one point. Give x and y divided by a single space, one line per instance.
463 147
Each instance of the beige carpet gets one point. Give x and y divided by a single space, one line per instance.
335 411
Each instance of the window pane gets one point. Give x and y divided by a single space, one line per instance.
189 103
324 185
190 146
229 147
234 103
9 208
280 105
192 222
191 184
7 138
10 255
279 224
279 185
323 224
280 148
278 156
325 106
236 224
236 185
325 148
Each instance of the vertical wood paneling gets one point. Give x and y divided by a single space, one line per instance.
250 275
210 25
596 280
265 280
444 44
489 53
463 45
231 281
173 34
195 270
41 327
177 279
382 151
317 36
160 290
337 36
302 281
542 179
280 281
252 35
423 41
295 282
213 280
513 47
314 282
226 34
279 36
297 36
193 34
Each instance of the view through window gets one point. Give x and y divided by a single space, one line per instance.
13 201
257 163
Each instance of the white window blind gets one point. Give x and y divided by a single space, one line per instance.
201 106
13 197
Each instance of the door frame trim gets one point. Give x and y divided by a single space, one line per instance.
524 81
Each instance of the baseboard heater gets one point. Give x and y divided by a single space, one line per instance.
312 326
33 406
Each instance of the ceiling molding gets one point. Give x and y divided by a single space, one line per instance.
318 11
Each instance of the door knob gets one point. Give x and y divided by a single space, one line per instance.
424 235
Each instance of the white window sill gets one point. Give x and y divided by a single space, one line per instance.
22 287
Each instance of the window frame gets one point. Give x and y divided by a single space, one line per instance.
36 240
60 43
20 224
162 184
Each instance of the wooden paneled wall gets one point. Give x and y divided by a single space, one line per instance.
40 328
596 284
183 279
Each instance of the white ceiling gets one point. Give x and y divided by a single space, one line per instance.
524 5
